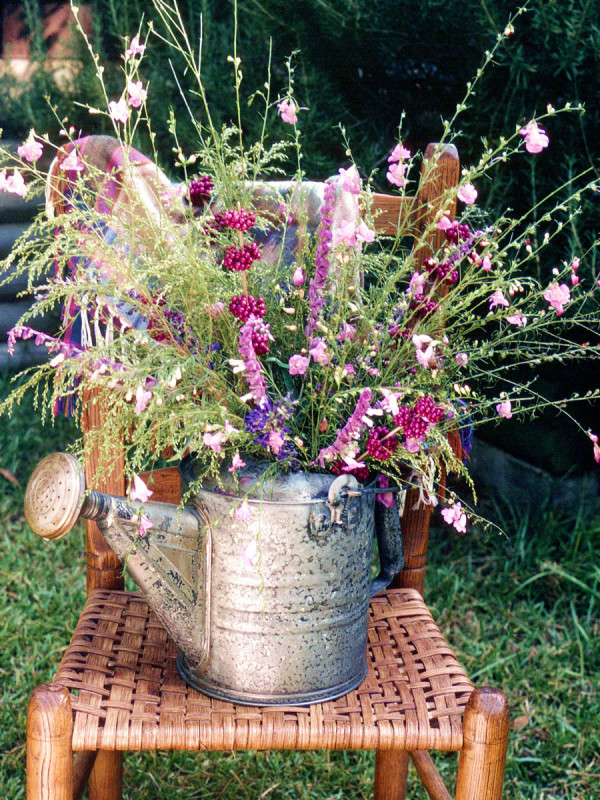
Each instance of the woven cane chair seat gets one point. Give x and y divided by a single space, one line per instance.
127 694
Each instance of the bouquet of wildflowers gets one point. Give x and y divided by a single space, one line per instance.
235 316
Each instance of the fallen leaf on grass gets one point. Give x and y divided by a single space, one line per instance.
518 723
9 476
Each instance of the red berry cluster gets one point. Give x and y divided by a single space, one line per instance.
243 307
238 259
441 271
200 190
360 473
238 219
423 306
457 232
261 336
415 421
376 447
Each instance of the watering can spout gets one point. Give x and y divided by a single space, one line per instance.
165 548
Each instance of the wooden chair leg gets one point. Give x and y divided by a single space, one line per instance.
49 744
106 780
391 768
485 739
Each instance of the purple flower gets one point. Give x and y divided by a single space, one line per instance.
298 365
318 284
251 366
344 444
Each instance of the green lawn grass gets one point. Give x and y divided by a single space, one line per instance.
521 611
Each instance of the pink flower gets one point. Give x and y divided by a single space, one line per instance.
298 278
412 445
454 515
135 48
535 137
288 111
594 439
145 525
118 110
318 350
558 296
498 299
396 174
139 490
13 184
517 319
486 264
249 555
390 401
399 153
142 398
462 359
213 440
215 310
137 94
276 441
574 278
467 193
347 333
298 365
236 463
72 163
345 233
349 370
504 409
385 498
350 180
30 150
364 233
243 512
425 349
443 224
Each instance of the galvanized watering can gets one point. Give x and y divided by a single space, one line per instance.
267 605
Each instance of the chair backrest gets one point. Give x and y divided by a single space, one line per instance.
439 172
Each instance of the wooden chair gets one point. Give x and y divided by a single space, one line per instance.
117 687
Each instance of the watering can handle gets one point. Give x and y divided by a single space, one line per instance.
389 544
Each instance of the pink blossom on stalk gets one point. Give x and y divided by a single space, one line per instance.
462 359
349 370
535 137
215 310
558 296
318 350
298 365
504 409
350 180
364 233
444 223
347 333
139 490
517 319
119 111
236 463
390 401
145 525
486 263
345 233
298 278
13 184
72 163
424 349
574 279
288 111
275 441
385 498
344 445
467 193
594 439
498 299
243 512
214 440
30 150
249 555
135 48
250 364
454 515
399 153
137 94
142 398
412 445
396 174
